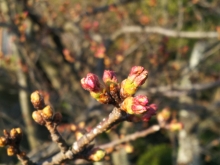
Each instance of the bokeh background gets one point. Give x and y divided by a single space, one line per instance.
49 45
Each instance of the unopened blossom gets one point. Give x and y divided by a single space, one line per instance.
136 78
91 83
135 105
151 111
109 76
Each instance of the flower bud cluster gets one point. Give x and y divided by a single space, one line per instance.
121 95
46 114
43 113
12 139
110 91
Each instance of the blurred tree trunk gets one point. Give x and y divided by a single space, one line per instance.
189 148
24 98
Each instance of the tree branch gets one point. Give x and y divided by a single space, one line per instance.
132 137
165 32
115 117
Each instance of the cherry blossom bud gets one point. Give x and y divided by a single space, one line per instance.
151 111
126 105
20 133
136 78
38 118
135 71
135 105
91 83
138 75
13 133
96 155
47 112
37 100
109 76
3 141
141 100
11 151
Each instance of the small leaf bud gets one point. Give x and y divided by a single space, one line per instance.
3 141
13 133
37 100
11 151
36 115
47 112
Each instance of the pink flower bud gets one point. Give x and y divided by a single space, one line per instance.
139 80
136 78
141 99
135 71
151 111
138 75
138 109
135 105
91 83
139 104
110 76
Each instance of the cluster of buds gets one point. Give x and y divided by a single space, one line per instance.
11 139
121 95
110 91
169 121
44 113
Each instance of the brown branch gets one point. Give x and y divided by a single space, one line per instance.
115 117
56 137
24 159
132 137
165 32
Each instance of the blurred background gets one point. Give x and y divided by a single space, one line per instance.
49 45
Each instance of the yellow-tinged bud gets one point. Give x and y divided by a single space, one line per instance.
127 104
3 141
11 151
36 115
6 133
47 112
37 100
19 131
13 133
96 155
